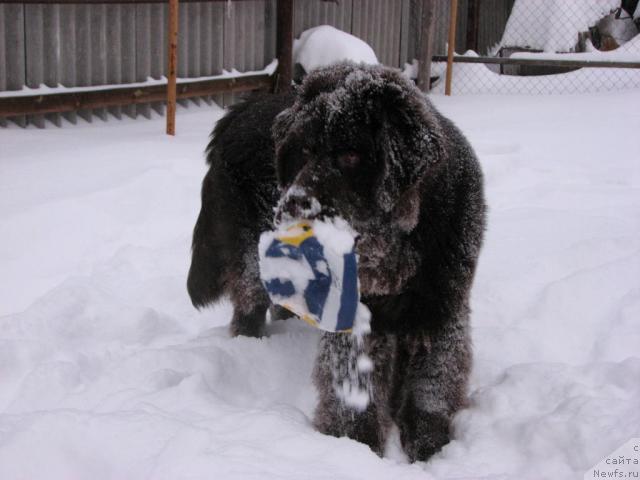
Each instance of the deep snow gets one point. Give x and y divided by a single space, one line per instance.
109 373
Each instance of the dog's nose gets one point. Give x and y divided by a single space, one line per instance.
299 208
297 205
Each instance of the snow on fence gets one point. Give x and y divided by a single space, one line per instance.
81 45
554 47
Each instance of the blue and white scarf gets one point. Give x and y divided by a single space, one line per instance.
310 268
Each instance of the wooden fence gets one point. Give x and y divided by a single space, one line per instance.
83 43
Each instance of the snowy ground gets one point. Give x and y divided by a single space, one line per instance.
107 372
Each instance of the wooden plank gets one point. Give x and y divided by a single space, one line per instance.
427 36
158 54
34 45
453 16
404 33
143 28
232 54
473 24
308 14
68 57
173 66
15 73
215 48
65 102
379 23
269 31
284 44
194 43
3 58
127 54
83 53
98 47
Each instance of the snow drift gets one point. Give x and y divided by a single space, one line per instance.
109 373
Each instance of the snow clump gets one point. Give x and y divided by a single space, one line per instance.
326 45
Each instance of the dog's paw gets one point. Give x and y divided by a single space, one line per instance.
248 325
246 331
424 436
362 427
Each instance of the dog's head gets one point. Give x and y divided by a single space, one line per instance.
356 143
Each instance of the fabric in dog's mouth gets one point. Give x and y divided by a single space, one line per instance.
310 268
298 270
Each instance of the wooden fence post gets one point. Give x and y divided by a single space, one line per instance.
426 44
452 45
284 44
173 66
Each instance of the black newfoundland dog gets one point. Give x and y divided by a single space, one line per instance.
365 143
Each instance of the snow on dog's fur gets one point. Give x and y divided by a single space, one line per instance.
363 143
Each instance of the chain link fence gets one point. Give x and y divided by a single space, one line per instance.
550 47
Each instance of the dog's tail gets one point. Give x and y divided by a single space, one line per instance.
240 177
214 246
205 282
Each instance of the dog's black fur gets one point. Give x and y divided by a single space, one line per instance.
364 143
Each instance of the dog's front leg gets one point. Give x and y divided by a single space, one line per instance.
248 296
336 415
433 369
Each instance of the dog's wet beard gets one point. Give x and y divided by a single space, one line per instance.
351 368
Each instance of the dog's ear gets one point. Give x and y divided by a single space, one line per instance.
406 211
279 132
281 126
409 142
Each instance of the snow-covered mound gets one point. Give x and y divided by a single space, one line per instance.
326 45
552 25
108 372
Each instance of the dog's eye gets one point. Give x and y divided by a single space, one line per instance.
348 160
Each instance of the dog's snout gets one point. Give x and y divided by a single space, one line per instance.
300 207
297 204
